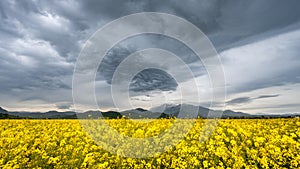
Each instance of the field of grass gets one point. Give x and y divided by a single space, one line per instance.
235 143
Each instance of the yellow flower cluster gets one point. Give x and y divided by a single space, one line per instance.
236 143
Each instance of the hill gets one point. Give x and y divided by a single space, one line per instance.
4 115
163 111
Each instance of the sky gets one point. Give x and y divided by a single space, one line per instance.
258 43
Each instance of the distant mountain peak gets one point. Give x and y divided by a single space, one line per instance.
162 107
3 110
141 109
52 111
163 111
188 110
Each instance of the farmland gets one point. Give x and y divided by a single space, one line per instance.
235 143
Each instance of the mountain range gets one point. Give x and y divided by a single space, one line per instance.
163 111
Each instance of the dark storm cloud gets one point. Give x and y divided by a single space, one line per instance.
28 70
228 24
32 62
40 40
225 22
153 79
149 79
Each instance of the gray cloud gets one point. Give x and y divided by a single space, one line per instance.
153 79
263 64
275 109
65 105
150 79
245 100
267 96
240 100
